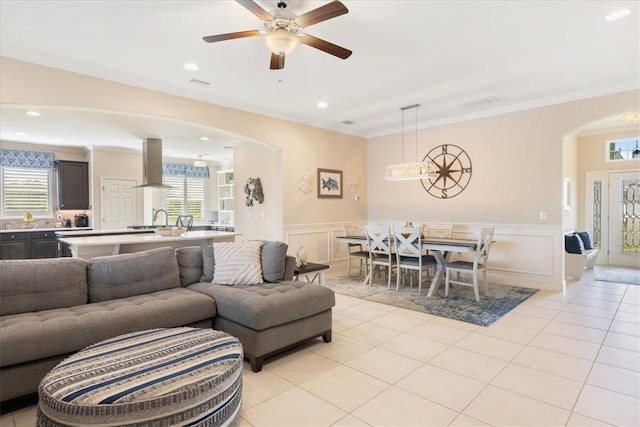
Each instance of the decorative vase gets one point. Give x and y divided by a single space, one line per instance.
301 257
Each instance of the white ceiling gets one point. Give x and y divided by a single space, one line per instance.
458 59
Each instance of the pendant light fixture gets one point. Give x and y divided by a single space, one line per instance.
199 163
406 171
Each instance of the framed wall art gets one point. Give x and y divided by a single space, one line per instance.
329 183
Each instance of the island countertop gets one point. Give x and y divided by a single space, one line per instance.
90 246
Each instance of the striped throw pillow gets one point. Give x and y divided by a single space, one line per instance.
237 263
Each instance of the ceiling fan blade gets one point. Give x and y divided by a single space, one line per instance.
231 36
322 13
277 61
254 8
326 46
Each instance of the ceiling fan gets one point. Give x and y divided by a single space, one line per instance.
283 30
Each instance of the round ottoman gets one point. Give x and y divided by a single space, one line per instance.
159 377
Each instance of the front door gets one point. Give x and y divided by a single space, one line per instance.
624 226
612 215
118 203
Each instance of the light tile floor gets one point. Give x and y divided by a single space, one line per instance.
569 358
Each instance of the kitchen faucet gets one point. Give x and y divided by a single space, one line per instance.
166 217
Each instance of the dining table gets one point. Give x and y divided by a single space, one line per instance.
441 247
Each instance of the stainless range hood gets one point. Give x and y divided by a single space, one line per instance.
152 164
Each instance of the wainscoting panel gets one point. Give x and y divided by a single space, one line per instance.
521 255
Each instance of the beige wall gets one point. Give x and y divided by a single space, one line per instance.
304 148
262 220
517 166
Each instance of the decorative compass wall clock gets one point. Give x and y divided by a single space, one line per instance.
452 171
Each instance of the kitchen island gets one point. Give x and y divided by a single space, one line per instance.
92 246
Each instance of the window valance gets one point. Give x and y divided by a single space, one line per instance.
184 169
27 159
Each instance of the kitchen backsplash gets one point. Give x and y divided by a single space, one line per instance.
18 223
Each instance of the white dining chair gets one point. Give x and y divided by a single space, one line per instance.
380 254
356 251
407 243
440 231
475 267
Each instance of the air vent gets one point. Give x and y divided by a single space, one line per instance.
479 100
199 82
347 122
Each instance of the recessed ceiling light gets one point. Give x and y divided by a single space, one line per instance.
32 113
618 14
204 138
190 66
322 104
21 133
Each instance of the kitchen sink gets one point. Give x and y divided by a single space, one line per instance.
142 227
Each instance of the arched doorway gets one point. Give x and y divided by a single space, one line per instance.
599 158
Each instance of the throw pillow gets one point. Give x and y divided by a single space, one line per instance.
273 261
573 244
586 239
237 263
208 263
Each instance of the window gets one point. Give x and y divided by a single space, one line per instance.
25 190
623 149
186 198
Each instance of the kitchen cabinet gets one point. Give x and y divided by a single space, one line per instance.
44 244
15 245
225 197
73 184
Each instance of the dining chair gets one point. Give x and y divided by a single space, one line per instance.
380 254
407 243
479 264
356 251
441 231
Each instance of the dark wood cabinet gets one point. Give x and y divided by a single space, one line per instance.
44 244
28 244
14 245
73 184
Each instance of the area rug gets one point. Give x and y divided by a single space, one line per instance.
460 305
625 276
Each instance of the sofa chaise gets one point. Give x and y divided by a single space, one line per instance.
51 308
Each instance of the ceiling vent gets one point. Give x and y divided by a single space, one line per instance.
479 100
199 82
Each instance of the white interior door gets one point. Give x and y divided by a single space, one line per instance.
118 203
624 219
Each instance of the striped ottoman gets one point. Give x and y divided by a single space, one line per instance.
159 377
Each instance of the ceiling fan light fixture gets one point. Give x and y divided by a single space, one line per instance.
281 41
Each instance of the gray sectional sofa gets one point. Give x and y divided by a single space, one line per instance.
51 308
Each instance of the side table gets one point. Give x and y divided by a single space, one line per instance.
311 268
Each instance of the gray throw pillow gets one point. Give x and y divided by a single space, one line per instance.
273 261
208 264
